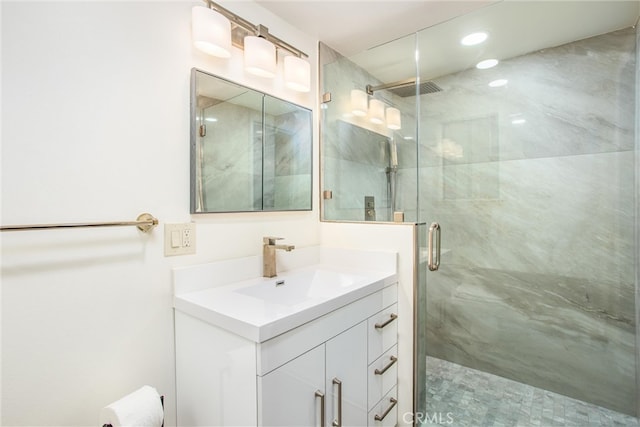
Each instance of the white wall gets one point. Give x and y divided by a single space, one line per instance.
95 114
400 238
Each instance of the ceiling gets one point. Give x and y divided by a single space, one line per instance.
356 25
377 35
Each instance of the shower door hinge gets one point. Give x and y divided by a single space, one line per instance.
203 130
326 97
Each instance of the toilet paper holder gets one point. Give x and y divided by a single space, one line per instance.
161 401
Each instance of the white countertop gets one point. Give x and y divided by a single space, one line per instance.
258 310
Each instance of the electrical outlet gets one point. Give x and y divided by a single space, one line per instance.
180 239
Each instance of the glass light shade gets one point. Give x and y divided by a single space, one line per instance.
259 56
359 103
211 32
376 111
394 120
297 74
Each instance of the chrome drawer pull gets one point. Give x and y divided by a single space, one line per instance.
391 319
338 422
321 396
386 368
381 417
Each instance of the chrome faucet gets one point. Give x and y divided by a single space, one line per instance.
269 255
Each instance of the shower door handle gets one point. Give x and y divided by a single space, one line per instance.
434 232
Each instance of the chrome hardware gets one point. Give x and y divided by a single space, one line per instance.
269 255
434 229
391 319
385 413
369 208
327 194
326 97
338 422
386 368
145 223
321 396
203 130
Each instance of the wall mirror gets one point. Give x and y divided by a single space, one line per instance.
249 151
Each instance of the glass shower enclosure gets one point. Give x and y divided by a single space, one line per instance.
530 169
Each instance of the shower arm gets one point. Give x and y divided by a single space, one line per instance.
402 83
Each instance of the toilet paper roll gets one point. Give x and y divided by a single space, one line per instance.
142 408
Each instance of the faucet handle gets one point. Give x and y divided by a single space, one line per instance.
269 240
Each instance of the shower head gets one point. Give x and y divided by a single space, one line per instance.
406 88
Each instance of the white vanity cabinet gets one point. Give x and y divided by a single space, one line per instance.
332 375
343 362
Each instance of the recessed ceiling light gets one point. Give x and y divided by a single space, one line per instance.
518 121
487 63
210 119
474 38
498 83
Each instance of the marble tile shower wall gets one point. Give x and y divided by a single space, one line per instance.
239 176
355 152
538 285
228 172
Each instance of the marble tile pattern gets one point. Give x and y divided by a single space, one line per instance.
244 173
538 285
229 158
538 281
467 397
355 152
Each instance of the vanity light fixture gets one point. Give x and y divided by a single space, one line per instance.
474 38
487 63
359 103
211 32
259 57
394 121
215 29
297 74
376 111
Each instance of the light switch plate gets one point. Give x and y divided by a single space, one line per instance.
180 239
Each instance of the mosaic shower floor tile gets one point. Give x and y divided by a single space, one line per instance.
465 397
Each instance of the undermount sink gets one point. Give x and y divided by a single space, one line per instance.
262 308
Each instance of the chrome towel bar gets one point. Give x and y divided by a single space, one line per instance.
145 223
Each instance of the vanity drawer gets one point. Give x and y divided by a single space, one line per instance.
382 332
385 413
382 376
